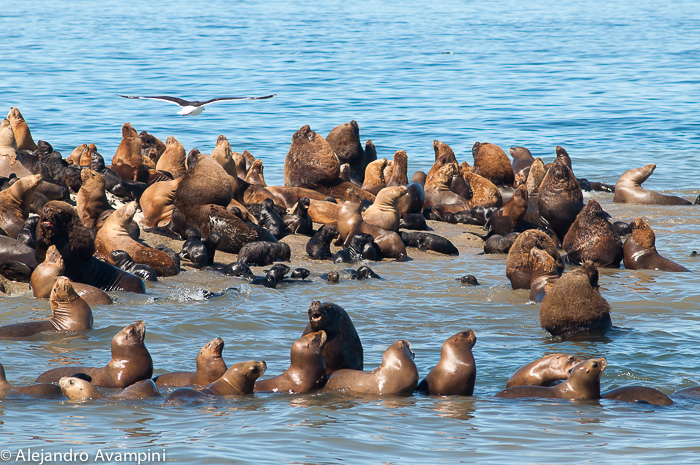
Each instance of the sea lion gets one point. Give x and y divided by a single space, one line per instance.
374 176
91 201
350 222
345 143
287 197
443 156
15 204
397 375
384 212
639 250
559 199
239 270
299 221
151 147
412 201
638 394
35 390
210 366
310 161
114 236
518 266
23 135
415 222
574 305
545 272
127 162
318 247
455 373
468 279
500 244
307 371
193 249
263 253
364 272
223 154
522 160
130 362
508 217
544 371
491 162
429 241
399 175
69 312
535 177
592 237
438 192
563 155
27 235
157 203
628 189
484 192
582 384
172 160
75 155
332 277
205 182
343 348
77 389
17 260
271 220
323 212
238 380
122 260
9 158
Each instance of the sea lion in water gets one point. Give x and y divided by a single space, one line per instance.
545 273
500 244
15 203
343 348
210 366
582 384
307 371
77 389
23 136
639 251
574 305
559 199
544 371
238 380
518 266
114 236
491 162
628 189
35 390
455 373
69 312
592 237
130 362
397 375
638 394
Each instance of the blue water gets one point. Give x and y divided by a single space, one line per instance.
616 84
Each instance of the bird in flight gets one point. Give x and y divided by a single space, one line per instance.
194 107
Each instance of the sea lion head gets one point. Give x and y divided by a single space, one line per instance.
124 214
129 337
397 351
464 339
53 256
542 263
7 136
592 368
92 178
212 350
642 234
129 131
242 375
56 217
63 291
78 389
325 316
390 195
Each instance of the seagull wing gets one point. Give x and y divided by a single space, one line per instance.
235 98
165 98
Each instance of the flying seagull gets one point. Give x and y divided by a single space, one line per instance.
194 107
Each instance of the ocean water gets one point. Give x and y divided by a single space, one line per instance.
615 83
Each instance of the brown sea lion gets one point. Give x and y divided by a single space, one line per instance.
639 251
91 201
114 236
507 218
574 305
582 384
397 375
563 155
345 143
130 362
310 161
223 154
484 192
69 313
592 237
455 373
288 197
78 389
535 177
491 162
500 244
374 176
23 135
15 204
638 394
350 222
559 199
74 157
443 156
544 273
35 390
544 371
384 212
438 192
522 160
206 182
151 147
518 267
343 348
307 371
157 203
399 175
238 380
173 159
323 212
127 162
412 201
210 366
628 189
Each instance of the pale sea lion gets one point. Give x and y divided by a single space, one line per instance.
384 212
350 222
397 375
582 384
343 348
157 203
307 371
130 362
15 203
91 201
455 373
374 176
9 158
77 389
639 250
23 135
127 162
592 237
544 371
173 158
210 366
628 189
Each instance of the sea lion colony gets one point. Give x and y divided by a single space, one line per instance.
530 211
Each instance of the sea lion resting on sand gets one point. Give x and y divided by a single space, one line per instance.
350 222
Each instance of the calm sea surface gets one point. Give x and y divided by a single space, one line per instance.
616 83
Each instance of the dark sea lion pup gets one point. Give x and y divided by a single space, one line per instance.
36 390
582 384
455 373
318 247
343 348
544 371
210 367
131 362
193 249
397 375
69 313
262 253
429 241
639 251
123 261
307 370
